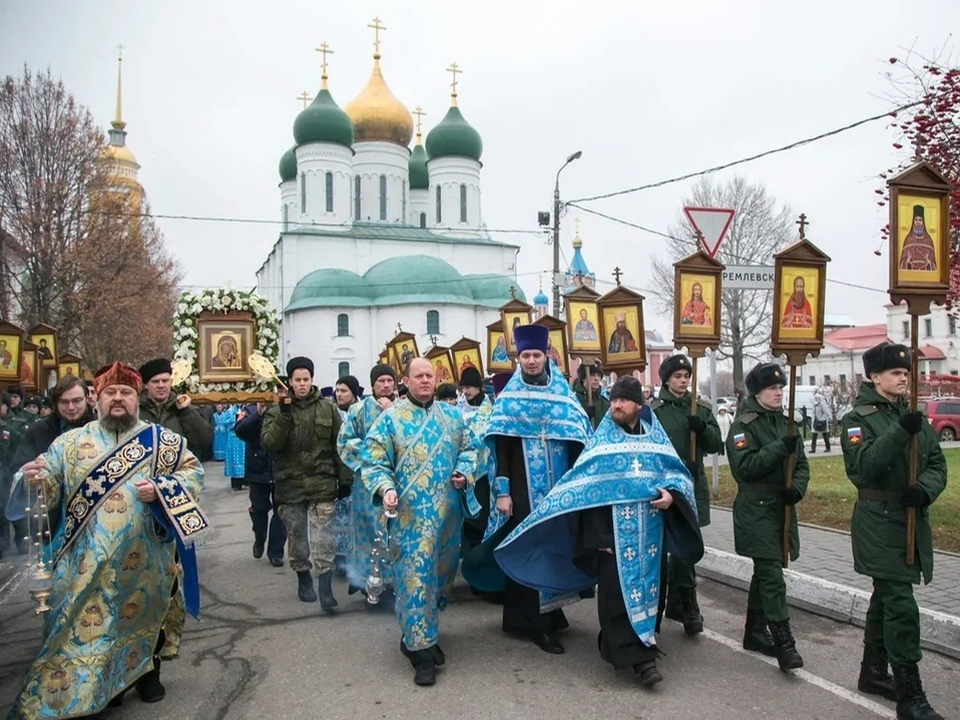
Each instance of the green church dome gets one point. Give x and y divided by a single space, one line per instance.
416 279
288 165
322 121
454 137
492 290
331 286
419 177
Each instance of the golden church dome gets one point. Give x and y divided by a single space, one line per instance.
377 114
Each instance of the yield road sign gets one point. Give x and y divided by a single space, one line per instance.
711 224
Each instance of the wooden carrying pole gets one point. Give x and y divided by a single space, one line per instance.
788 472
912 478
693 406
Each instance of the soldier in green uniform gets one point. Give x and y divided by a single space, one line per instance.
876 440
759 448
672 407
594 402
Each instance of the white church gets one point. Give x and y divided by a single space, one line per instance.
375 235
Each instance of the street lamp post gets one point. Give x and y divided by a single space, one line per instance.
556 234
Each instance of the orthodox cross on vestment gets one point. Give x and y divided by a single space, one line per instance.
418 111
802 222
636 466
377 27
617 274
305 98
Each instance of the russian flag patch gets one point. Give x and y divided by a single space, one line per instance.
740 441
854 435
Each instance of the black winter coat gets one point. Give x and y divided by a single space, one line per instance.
259 463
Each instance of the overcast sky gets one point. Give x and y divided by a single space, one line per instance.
646 90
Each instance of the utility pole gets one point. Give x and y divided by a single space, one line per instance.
556 233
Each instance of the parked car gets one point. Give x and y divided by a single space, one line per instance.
943 413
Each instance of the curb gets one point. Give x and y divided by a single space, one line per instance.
938 631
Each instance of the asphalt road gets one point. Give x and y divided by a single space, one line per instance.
260 653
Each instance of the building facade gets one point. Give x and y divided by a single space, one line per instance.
377 237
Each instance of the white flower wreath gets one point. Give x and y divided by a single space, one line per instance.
185 335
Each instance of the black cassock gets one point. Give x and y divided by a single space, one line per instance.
618 643
521 605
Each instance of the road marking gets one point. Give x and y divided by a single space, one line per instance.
833 688
15 581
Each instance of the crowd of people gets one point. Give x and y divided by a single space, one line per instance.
541 493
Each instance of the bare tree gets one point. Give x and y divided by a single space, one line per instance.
758 230
78 250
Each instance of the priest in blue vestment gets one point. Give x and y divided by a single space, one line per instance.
419 461
610 521
535 433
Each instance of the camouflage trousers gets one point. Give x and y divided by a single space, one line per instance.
309 535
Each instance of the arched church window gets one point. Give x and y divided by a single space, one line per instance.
356 198
433 322
303 193
343 325
343 369
329 189
383 197
463 203
423 220
439 208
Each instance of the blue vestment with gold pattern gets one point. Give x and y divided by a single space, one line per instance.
416 450
363 513
115 567
622 471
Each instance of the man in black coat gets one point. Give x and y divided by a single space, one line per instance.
267 531
70 410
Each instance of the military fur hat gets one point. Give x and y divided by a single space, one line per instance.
152 368
764 375
886 356
673 364
299 363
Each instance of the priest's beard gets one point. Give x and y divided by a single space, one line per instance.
118 423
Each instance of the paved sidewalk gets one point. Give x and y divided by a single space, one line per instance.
827 554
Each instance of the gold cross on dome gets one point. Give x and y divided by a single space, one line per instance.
802 222
418 111
305 98
454 70
617 273
324 50
376 27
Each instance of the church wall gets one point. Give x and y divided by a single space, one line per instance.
313 333
419 203
314 161
372 161
449 175
289 212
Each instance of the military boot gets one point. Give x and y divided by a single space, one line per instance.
787 655
149 687
325 590
875 677
649 673
912 701
756 634
674 608
690 611
305 587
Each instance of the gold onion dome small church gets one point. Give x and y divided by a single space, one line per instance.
375 235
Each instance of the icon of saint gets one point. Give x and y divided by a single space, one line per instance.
500 351
696 311
227 354
553 354
467 363
406 355
43 351
798 313
443 375
621 339
918 252
6 358
584 330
